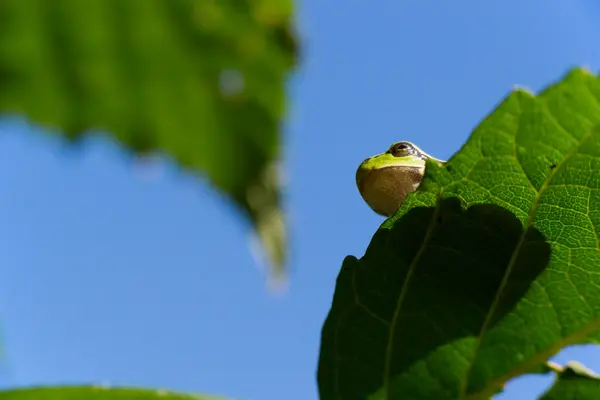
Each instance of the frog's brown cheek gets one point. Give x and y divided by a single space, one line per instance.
384 190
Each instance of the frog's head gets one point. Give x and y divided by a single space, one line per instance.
384 180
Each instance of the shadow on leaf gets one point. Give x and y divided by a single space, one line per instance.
406 317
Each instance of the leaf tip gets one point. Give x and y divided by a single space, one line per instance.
349 262
268 242
522 89
263 201
585 70
580 369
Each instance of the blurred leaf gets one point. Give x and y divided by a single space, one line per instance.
96 393
201 81
574 382
486 271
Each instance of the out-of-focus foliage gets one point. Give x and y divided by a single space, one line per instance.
201 81
96 393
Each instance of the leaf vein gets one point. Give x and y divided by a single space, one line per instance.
403 290
536 202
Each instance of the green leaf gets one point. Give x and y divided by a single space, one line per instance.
574 382
200 81
96 393
486 271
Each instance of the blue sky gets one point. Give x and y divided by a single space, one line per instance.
144 277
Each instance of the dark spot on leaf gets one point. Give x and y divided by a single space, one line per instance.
553 165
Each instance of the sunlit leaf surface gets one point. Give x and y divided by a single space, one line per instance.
489 269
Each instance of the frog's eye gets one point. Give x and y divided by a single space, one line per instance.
402 149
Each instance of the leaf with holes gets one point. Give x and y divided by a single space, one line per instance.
96 393
486 271
199 81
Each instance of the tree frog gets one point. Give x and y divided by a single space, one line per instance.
385 179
